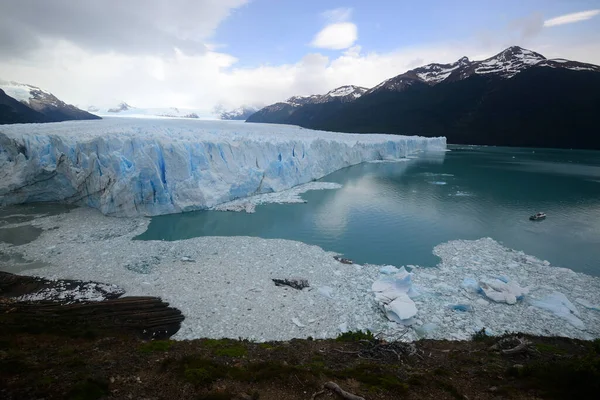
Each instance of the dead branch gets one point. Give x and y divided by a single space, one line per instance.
520 348
334 387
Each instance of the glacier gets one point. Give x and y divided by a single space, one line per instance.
127 167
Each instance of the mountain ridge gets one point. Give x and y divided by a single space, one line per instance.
40 105
468 102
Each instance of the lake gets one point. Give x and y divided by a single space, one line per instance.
395 213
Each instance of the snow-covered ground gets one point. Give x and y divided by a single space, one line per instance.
127 167
224 287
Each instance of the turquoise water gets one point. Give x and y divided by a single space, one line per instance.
395 213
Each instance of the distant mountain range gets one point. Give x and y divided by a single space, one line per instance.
240 113
125 110
515 98
22 103
285 112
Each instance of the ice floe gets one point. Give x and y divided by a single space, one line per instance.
249 204
224 286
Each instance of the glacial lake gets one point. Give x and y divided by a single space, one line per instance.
395 213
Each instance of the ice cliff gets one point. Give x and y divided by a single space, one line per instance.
150 167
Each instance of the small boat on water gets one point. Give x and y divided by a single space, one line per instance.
538 216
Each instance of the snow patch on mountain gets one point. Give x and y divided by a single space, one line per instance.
505 64
29 94
22 92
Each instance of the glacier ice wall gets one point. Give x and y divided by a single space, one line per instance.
129 167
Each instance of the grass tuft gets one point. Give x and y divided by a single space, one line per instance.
357 336
155 346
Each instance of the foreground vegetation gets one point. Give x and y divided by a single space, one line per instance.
100 350
89 365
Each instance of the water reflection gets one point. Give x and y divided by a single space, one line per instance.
391 213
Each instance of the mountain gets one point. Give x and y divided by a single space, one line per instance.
125 110
22 103
515 98
280 113
240 113
15 112
120 107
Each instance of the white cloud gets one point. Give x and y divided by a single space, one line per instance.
571 18
85 74
203 80
144 27
336 36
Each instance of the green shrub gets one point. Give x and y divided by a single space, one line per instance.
357 336
155 346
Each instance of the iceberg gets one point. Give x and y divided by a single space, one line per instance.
558 304
136 167
394 295
501 290
402 308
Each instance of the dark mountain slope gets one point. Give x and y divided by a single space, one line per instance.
515 98
36 105
15 112
541 106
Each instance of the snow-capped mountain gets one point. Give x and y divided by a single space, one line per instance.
239 114
342 94
40 101
126 110
505 64
516 98
274 113
120 107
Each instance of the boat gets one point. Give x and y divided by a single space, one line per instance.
538 216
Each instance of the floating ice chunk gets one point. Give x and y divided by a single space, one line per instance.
393 293
402 308
388 269
460 194
558 304
400 282
587 304
291 196
502 292
426 330
297 322
462 307
470 285
343 327
438 183
444 288
326 291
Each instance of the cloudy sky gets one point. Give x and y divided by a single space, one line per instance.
199 53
